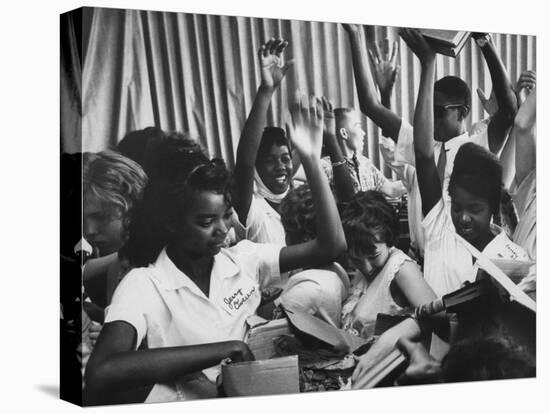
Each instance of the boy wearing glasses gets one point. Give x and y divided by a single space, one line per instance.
452 103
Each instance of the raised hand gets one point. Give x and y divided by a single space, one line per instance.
272 69
479 35
306 126
418 44
384 63
527 82
351 28
329 123
489 104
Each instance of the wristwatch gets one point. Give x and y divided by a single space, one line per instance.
483 40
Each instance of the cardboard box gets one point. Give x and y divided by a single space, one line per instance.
270 375
265 377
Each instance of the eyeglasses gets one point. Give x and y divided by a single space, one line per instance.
440 110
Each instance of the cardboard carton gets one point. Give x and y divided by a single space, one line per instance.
270 375
265 377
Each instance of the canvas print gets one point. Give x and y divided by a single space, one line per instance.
253 206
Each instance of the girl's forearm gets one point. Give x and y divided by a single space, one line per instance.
342 179
330 233
133 369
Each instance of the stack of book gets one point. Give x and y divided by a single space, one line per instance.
446 42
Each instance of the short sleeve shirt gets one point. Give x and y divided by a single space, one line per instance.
364 175
367 300
168 309
447 263
263 223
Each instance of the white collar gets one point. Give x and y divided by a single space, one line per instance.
453 142
172 278
261 189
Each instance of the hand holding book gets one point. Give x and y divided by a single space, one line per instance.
418 44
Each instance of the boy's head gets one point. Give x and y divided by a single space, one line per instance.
298 215
452 103
112 187
274 160
371 226
475 189
348 129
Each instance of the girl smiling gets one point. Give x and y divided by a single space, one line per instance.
185 305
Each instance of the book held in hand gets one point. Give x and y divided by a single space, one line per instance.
446 42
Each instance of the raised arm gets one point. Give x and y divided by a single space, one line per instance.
507 106
525 132
115 365
385 69
426 170
369 103
526 83
307 136
272 74
342 179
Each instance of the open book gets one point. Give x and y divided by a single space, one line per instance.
446 42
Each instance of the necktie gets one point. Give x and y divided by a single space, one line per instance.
441 163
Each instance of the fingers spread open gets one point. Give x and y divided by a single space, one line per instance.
373 57
377 53
273 44
318 108
386 49
393 53
281 47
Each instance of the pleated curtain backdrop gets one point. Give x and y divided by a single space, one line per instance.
199 73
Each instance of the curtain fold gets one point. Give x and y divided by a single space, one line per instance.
199 73
70 84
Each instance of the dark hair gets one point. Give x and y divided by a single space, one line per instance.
367 216
298 215
144 146
179 174
479 172
272 136
136 145
169 157
455 89
486 359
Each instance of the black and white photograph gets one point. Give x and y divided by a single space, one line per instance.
257 206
